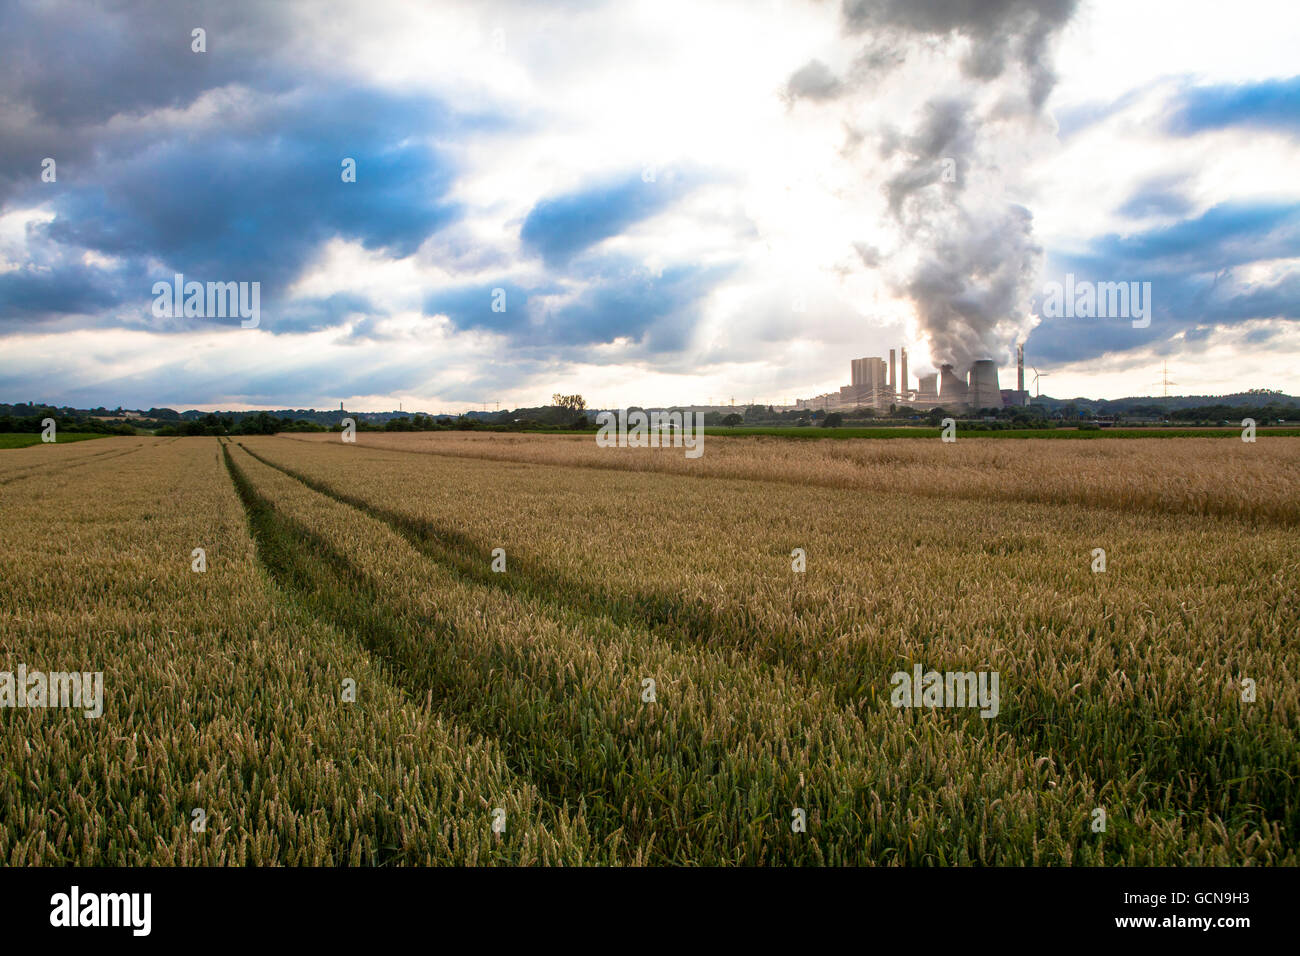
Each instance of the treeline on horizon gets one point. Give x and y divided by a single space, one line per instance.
29 417
264 423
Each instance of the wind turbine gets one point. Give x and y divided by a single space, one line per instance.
1038 392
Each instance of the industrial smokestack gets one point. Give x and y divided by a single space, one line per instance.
1020 373
893 382
902 380
969 257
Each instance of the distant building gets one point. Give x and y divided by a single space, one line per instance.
872 384
928 392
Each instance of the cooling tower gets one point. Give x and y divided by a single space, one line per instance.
952 390
926 390
984 391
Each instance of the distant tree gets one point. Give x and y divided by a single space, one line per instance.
265 424
570 403
833 420
936 416
732 420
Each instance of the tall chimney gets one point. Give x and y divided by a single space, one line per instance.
1020 373
893 382
902 379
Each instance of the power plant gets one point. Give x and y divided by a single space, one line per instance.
872 384
951 389
983 388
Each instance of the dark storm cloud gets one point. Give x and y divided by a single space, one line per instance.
1193 267
255 201
1270 104
617 299
1261 335
81 63
470 306
656 310
1229 234
250 197
560 227
247 188
26 294
240 181
68 68
305 314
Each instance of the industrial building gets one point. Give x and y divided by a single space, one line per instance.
872 384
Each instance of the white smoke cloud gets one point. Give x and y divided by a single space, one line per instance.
964 254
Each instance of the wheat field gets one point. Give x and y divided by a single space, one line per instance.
501 650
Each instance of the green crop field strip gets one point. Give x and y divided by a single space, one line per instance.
564 654
27 439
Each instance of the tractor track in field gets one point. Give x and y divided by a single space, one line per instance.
453 549
604 815
1164 510
1034 718
48 469
296 558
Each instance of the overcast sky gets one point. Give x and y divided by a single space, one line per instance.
673 202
